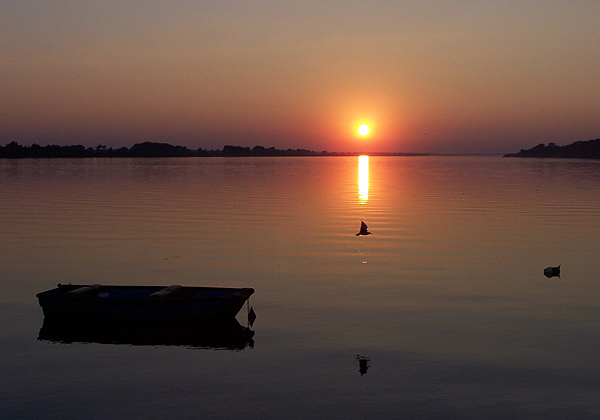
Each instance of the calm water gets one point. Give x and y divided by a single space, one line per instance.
445 302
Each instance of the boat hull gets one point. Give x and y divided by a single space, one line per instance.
142 303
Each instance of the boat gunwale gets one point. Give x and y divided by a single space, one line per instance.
60 292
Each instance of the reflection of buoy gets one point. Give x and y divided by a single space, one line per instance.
363 364
552 271
251 316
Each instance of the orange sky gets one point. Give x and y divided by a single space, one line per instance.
428 76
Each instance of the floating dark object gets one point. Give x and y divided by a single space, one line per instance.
363 364
552 271
143 303
364 230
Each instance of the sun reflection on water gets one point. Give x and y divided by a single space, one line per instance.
363 178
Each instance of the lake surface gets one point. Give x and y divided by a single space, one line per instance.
442 313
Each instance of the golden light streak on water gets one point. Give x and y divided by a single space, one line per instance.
363 178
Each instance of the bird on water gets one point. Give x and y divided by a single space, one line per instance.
552 271
364 230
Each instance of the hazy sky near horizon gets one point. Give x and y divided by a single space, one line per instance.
427 76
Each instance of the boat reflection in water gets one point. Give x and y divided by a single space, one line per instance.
225 335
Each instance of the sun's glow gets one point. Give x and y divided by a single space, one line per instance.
363 178
363 130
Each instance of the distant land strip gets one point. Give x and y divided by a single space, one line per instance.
589 149
14 150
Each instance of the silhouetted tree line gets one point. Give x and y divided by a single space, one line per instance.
261 151
14 150
589 149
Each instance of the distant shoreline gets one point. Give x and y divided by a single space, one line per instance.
589 149
14 150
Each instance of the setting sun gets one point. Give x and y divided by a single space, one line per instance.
363 130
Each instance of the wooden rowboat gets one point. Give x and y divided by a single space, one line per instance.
143 303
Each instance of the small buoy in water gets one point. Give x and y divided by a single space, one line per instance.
552 271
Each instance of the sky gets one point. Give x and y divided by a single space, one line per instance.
426 76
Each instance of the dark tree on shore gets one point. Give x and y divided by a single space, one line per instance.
579 150
14 150
148 149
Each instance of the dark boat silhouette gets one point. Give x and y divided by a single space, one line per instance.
143 303
364 230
